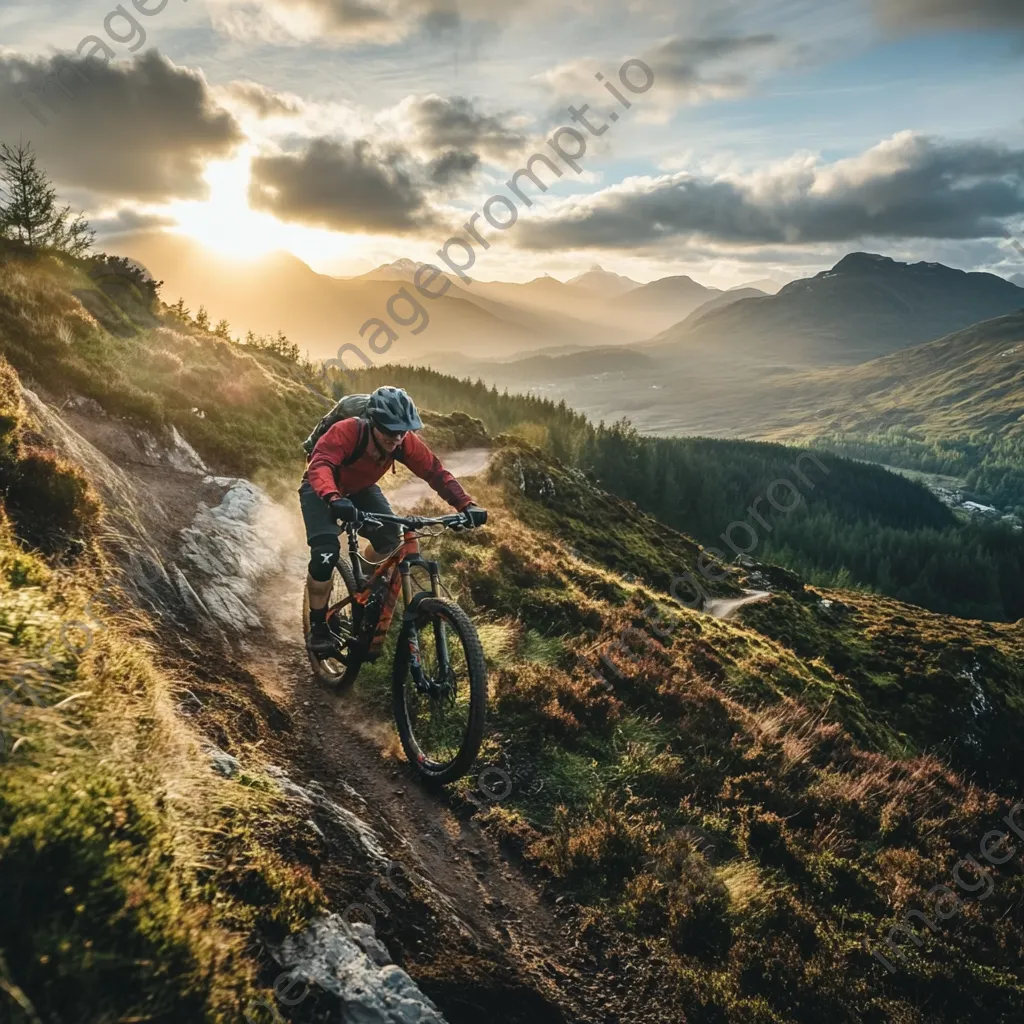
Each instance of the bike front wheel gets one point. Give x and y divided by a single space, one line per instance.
439 690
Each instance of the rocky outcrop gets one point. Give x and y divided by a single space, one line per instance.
349 962
207 574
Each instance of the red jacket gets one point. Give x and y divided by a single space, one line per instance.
331 480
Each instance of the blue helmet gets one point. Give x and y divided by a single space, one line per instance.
393 409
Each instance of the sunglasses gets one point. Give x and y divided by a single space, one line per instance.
396 435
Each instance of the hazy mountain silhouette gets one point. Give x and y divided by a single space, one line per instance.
604 282
665 301
865 306
722 300
768 285
321 313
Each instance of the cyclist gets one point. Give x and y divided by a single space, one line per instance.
341 481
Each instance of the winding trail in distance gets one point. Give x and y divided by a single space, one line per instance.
467 462
727 607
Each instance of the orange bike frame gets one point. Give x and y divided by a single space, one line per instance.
396 568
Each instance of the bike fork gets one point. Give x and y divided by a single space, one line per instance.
413 637
440 633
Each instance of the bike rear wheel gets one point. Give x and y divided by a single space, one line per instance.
335 671
440 718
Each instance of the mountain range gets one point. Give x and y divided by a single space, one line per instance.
320 313
866 306
732 363
483 320
768 368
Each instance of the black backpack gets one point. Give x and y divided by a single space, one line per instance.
344 409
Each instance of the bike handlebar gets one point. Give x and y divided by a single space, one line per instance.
449 522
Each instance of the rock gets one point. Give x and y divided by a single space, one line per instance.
358 831
350 963
174 452
230 547
223 763
89 406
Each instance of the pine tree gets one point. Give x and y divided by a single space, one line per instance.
223 330
181 311
29 212
203 319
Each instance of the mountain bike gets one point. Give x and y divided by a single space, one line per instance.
439 680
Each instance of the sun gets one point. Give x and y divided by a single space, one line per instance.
224 222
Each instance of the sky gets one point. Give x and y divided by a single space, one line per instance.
759 139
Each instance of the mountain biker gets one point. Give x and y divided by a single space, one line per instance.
341 481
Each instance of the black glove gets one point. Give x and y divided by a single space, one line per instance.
475 515
343 509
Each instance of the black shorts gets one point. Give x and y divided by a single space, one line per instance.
317 516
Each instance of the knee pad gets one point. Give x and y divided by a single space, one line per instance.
324 553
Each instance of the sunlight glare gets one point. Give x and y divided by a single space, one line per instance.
226 224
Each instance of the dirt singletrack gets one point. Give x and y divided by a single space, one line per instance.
727 607
354 754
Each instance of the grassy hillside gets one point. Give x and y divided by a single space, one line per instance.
132 876
741 811
968 382
953 407
68 327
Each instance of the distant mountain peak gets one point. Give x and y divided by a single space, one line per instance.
400 266
861 261
600 280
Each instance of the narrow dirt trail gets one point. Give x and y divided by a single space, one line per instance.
727 607
465 463
354 754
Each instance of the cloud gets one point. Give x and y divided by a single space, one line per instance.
680 64
342 185
968 14
127 220
452 166
690 70
263 102
143 128
441 124
353 22
908 186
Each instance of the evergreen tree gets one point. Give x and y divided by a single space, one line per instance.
223 330
203 319
29 210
